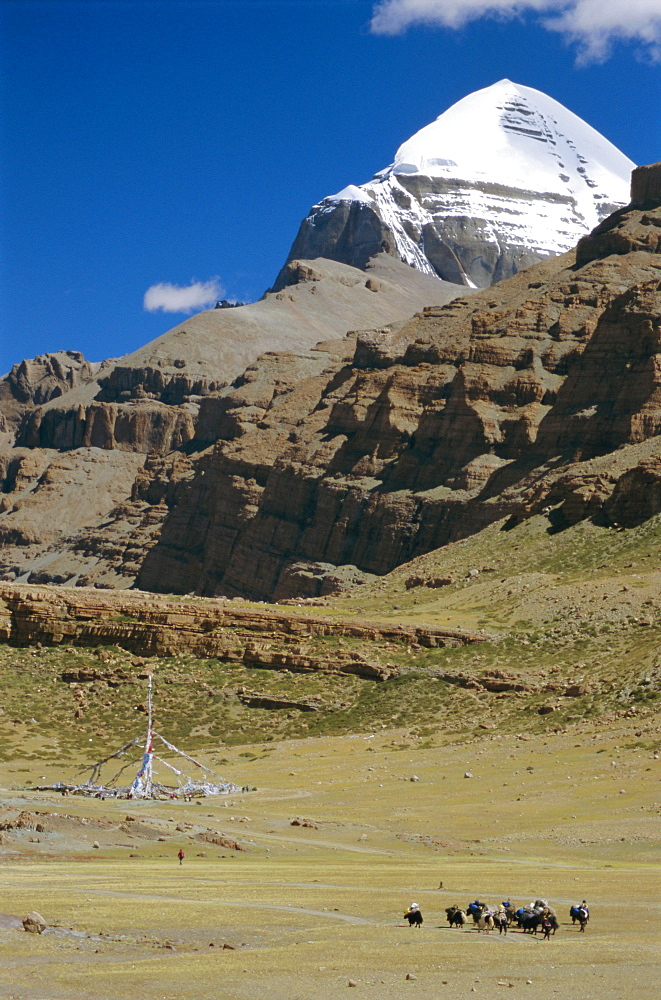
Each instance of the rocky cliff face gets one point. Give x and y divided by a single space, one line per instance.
540 394
37 381
94 456
506 177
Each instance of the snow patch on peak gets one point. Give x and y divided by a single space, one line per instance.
350 193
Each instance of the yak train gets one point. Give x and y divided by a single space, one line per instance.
538 916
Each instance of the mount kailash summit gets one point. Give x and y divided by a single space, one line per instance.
504 178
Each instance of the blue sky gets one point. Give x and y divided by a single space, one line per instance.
180 141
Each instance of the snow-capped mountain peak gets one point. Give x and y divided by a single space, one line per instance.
503 178
514 135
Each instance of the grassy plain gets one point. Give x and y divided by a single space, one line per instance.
307 908
563 804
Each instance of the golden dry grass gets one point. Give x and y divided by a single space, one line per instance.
308 909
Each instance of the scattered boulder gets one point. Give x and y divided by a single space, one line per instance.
304 822
34 923
576 690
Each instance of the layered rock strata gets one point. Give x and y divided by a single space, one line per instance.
501 180
319 468
156 627
542 393
93 454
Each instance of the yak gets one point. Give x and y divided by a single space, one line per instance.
413 915
456 916
580 913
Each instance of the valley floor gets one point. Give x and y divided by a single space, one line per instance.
306 908
524 765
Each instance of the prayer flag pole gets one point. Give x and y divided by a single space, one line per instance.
143 785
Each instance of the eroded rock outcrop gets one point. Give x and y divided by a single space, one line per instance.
637 494
65 424
36 381
646 185
541 392
150 428
149 626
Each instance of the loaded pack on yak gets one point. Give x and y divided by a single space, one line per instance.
413 915
580 913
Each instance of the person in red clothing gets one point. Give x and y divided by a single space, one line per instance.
180 855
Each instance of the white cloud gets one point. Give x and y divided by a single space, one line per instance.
182 298
393 16
594 25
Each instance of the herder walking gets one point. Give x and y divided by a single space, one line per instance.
181 856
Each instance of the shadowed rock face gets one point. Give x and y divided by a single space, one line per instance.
542 392
149 428
645 185
455 248
37 381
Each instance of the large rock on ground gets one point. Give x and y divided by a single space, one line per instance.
34 923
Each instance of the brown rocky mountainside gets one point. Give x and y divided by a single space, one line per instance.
74 436
318 467
147 401
542 393
37 381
